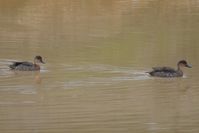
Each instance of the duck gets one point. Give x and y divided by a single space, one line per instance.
169 72
27 66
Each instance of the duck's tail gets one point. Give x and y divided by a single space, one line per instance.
13 65
150 73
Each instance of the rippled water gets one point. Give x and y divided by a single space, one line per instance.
97 53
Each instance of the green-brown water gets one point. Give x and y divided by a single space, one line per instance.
96 54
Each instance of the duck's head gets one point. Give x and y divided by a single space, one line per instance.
183 63
38 59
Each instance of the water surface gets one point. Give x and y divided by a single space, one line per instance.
97 53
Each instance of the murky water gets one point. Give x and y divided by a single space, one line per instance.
96 54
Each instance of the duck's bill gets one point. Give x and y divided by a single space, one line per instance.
189 66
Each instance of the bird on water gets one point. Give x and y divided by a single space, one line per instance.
27 66
168 71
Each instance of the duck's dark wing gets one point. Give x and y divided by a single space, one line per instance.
15 64
163 72
163 69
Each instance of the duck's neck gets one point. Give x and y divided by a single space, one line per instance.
179 70
36 66
34 62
